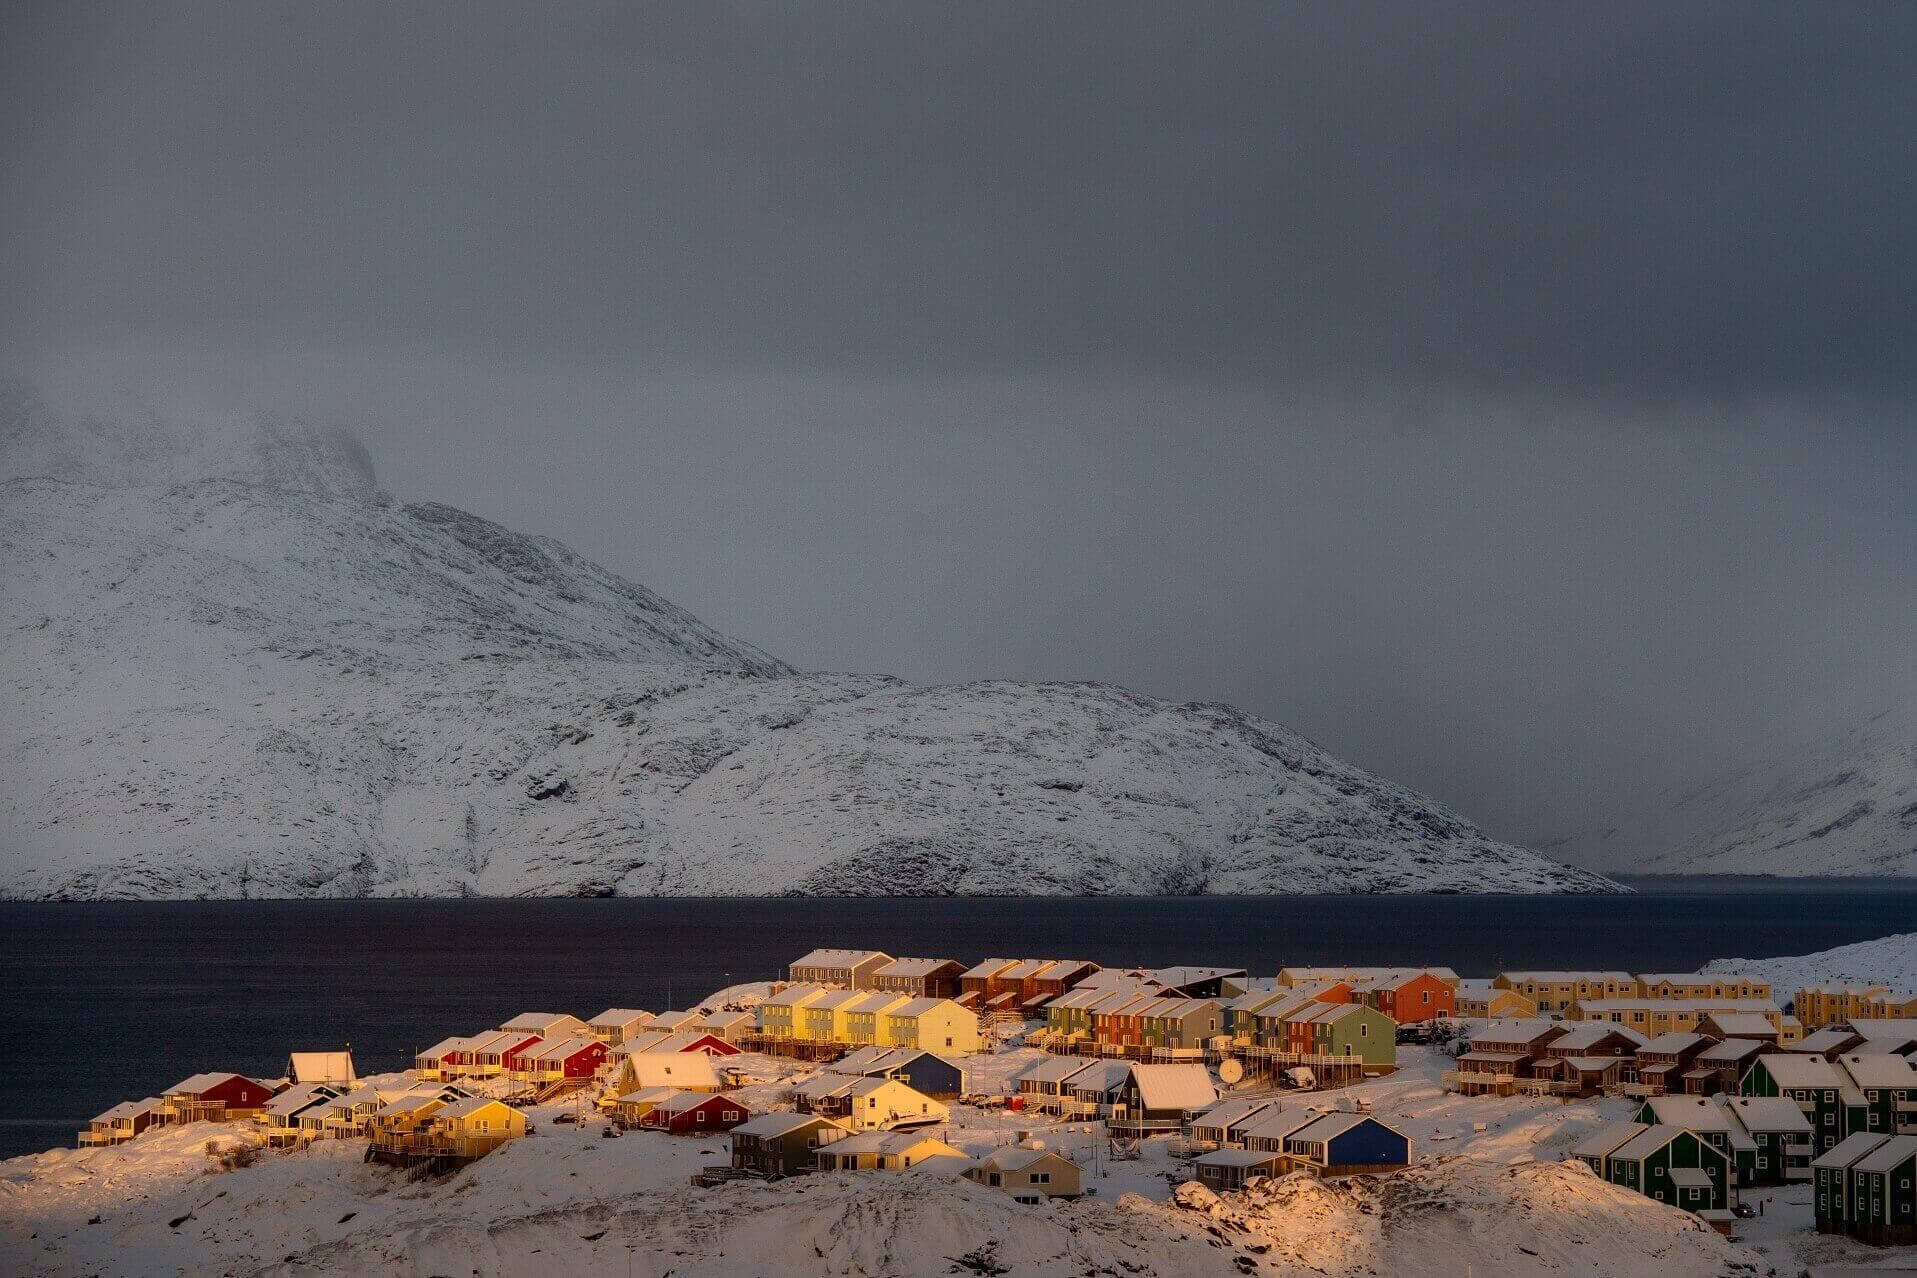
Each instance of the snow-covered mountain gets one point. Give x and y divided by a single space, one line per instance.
236 667
1842 806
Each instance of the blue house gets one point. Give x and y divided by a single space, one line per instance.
1345 1144
922 1071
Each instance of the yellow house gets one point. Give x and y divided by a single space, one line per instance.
1556 991
1481 1000
779 1015
931 1024
820 1019
885 1103
475 1127
1029 1173
859 1019
1651 1017
891 1151
1697 985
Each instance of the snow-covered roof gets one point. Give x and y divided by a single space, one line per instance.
1743 1025
1689 1177
1011 1158
678 1102
1099 1078
1327 1126
1648 1141
647 1095
559 1049
1521 1030
1888 1155
298 1097
685 1069
1162 1087
469 1105
1595 1064
1731 1050
321 1067
1705 1114
1789 1069
618 1017
198 1083
839 958
986 968
1879 1069
833 1000
1279 1124
1237 1158
1566 977
872 1002
914 968
542 1022
129 1109
1589 1033
916 1006
1672 1042
794 996
1769 1114
1606 1139
444 1047
1849 1150
771 1126
1230 1113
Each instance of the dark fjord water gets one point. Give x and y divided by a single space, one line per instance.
105 1002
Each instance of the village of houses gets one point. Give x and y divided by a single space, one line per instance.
1056 1080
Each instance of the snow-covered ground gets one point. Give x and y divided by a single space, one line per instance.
237 668
1489 1194
1888 960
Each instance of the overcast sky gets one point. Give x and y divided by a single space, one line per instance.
1518 400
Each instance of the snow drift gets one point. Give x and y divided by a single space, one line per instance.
237 667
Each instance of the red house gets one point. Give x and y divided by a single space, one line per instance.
576 1057
1410 995
213 1097
677 1041
696 1112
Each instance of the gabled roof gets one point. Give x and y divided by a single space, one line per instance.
1743 1025
839 958
470 1105
1705 1114
914 968
1099 1078
882 1142
542 1022
1330 1126
1830 1039
1648 1142
444 1047
833 1000
1879 1069
1789 1069
1163 1087
1011 1158
771 1126
1887 1156
1769 1114
1671 1043
1689 1177
298 1097
986 969
129 1109
678 1102
1522 1030
871 1002
1566 977
1230 1113
649 1095
795 996
1054 1069
616 1017
1607 1139
916 1006
1849 1150
1731 1051
198 1083
321 1067
1280 1124
561 1049
686 1069
1584 1034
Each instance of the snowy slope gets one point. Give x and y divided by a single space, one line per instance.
1846 805
1888 960
235 667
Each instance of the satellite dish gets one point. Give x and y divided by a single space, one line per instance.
1230 1071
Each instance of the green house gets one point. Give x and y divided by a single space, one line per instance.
1768 1138
1833 1196
1883 1081
1884 1194
1673 1166
1826 1095
1352 1029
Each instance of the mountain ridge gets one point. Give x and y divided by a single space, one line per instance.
240 668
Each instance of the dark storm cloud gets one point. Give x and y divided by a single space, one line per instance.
1515 398
1609 197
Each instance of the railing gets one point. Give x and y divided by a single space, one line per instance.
433 1145
1642 1090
